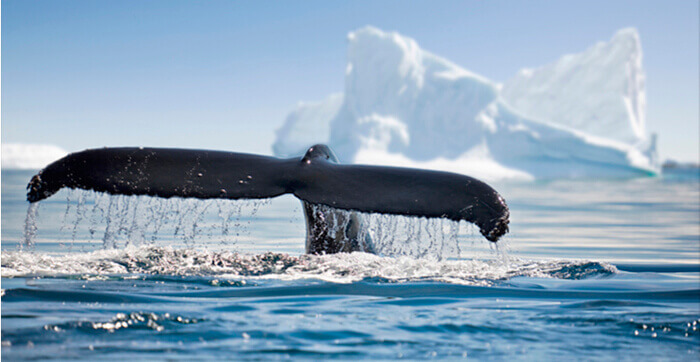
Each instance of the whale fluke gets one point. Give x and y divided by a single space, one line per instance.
165 173
316 178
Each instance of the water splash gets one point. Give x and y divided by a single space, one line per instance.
338 268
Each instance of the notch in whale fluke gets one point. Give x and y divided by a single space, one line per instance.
316 178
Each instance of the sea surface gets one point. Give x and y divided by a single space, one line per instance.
591 270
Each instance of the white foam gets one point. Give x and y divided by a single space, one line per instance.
337 268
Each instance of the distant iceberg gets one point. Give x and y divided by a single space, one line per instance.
600 91
308 124
29 156
582 116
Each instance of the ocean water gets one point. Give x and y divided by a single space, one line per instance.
592 269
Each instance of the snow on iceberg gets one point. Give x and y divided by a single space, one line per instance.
404 106
29 156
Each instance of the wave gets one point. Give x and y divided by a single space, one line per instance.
336 268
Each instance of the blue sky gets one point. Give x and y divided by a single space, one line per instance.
224 74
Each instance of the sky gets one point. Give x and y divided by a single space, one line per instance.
224 74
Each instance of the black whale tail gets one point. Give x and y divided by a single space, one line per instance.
315 179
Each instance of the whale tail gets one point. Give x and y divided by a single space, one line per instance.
315 179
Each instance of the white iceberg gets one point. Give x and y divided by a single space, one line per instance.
308 124
404 106
22 156
600 91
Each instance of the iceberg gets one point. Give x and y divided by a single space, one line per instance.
405 106
307 125
20 156
600 91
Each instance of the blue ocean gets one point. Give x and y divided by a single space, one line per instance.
591 270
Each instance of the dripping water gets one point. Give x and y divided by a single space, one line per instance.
30 225
100 220
115 221
396 235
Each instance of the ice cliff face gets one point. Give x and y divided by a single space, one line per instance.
404 106
599 91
